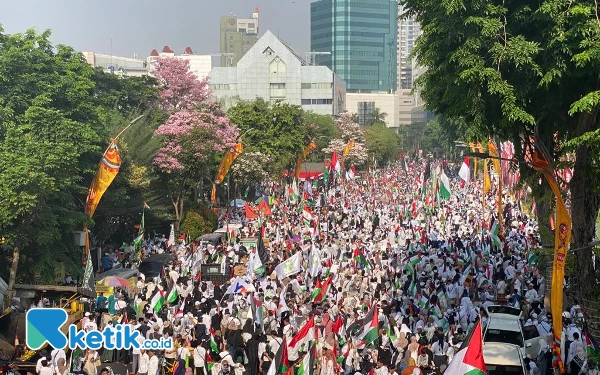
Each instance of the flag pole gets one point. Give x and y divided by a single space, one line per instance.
122 131
85 228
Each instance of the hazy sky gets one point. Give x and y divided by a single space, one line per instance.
137 26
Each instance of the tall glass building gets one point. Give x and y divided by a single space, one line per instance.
361 36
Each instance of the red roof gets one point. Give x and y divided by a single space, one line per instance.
154 52
188 51
166 49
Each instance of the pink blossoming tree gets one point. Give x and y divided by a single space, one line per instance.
194 135
348 130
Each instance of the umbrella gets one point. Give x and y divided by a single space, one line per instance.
237 203
115 281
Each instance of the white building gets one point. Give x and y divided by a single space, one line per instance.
363 105
124 66
272 70
200 65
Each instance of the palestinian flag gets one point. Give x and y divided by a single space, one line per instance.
173 295
369 332
209 362
213 343
339 328
306 333
469 361
157 300
444 186
258 311
494 234
307 366
412 289
320 293
593 351
280 364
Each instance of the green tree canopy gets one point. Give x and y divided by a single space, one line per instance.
279 131
511 69
49 146
382 142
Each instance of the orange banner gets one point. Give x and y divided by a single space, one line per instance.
107 171
347 149
300 160
486 178
213 194
227 161
562 239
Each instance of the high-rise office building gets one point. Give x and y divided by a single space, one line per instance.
408 31
361 36
238 35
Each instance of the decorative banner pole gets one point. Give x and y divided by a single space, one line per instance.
540 161
107 171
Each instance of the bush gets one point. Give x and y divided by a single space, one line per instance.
198 222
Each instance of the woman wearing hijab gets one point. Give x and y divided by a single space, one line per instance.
252 354
544 358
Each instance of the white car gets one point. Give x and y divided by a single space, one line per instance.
506 327
503 359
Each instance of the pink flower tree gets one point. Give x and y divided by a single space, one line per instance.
193 135
349 130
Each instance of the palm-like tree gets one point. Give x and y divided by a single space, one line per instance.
377 117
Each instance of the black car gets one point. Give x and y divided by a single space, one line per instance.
152 266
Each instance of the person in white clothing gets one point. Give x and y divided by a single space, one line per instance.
46 369
57 354
43 356
144 362
152 363
199 359
136 356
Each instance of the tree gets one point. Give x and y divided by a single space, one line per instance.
278 131
435 137
382 142
250 168
377 117
325 131
195 130
119 100
514 69
49 147
349 130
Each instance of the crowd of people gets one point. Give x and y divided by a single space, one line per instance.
373 275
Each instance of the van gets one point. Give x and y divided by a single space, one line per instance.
503 359
507 328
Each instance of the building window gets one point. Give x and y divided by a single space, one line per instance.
268 52
277 66
316 101
365 111
277 90
322 85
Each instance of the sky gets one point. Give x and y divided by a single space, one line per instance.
138 26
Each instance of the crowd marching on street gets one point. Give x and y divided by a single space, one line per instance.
386 273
